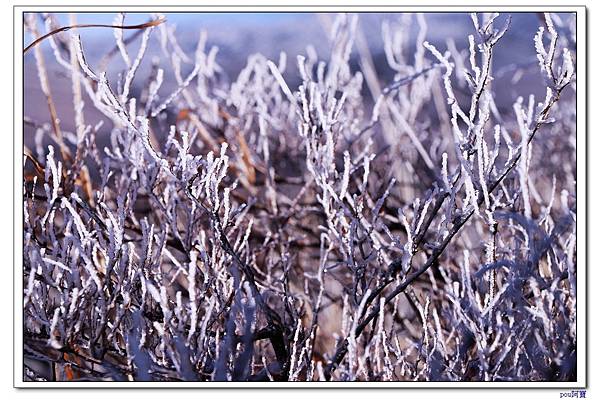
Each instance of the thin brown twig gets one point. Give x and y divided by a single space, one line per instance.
66 28
45 86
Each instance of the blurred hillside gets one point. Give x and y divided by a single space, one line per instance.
238 35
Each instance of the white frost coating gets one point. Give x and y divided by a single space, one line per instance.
118 21
284 87
246 210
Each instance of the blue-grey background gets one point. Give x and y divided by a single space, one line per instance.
239 35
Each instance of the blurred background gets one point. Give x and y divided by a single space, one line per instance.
239 35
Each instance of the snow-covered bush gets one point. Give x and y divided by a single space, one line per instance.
342 228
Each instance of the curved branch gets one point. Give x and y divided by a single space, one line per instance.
66 28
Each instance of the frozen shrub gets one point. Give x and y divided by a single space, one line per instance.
340 228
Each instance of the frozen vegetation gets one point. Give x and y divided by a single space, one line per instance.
336 225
